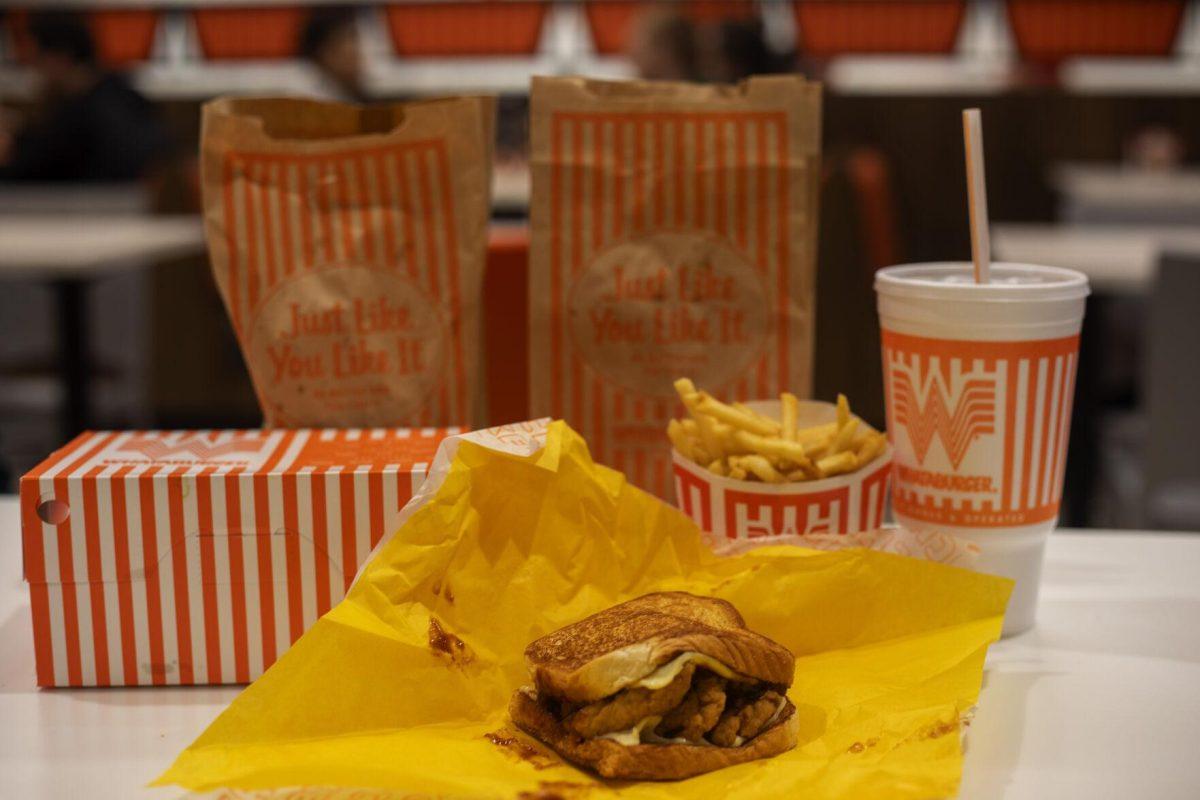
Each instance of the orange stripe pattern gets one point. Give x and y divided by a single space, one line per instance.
199 557
980 429
856 505
729 179
287 216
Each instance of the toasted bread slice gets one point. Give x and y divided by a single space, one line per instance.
602 654
656 762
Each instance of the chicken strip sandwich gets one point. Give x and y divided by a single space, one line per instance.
663 687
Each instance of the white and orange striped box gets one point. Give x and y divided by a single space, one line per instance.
185 557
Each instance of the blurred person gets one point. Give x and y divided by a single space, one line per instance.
734 49
87 124
1156 148
329 42
663 47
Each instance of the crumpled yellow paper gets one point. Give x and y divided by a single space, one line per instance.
890 650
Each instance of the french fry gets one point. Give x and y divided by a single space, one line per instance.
679 438
760 467
735 417
685 387
870 448
708 432
837 464
745 409
704 423
816 433
771 446
781 464
735 441
725 439
845 435
790 410
709 436
819 448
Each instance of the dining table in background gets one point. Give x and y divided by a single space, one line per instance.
1120 194
1118 259
69 237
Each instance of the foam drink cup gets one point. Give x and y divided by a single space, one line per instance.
979 380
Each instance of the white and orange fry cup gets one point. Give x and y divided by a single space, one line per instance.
737 510
979 379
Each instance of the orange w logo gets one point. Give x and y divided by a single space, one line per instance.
196 447
974 413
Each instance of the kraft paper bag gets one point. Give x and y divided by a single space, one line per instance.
348 243
673 233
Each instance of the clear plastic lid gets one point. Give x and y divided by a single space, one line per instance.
956 280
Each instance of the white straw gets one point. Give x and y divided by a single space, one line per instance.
977 194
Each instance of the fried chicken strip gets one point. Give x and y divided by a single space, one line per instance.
755 715
699 710
724 734
746 720
629 707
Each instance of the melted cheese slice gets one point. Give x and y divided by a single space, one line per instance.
667 672
738 741
662 677
633 735
778 710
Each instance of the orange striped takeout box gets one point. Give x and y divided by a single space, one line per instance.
184 557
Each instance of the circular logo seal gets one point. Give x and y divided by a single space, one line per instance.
651 309
346 346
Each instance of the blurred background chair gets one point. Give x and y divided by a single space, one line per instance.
859 235
1172 380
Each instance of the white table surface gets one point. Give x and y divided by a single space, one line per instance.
1120 259
1101 700
69 245
25 198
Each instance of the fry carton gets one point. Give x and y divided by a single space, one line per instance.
176 557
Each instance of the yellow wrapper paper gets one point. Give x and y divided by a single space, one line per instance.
890 649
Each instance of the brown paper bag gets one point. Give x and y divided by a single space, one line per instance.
348 243
674 234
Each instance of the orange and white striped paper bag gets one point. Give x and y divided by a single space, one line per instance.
348 243
674 233
199 557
